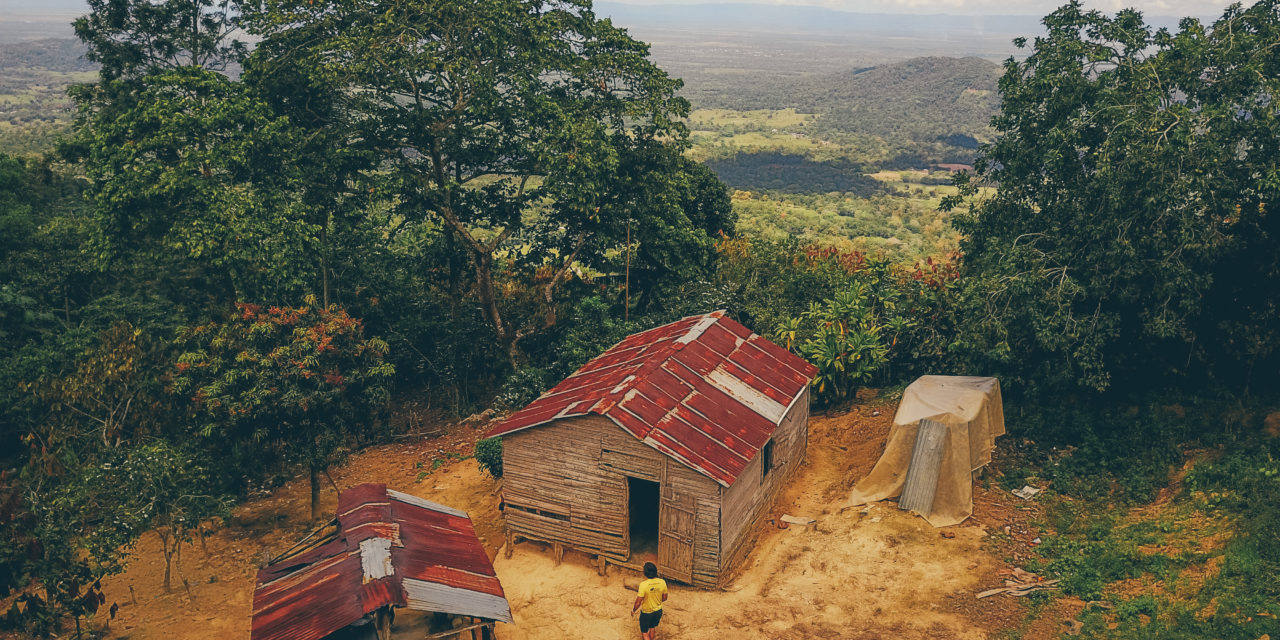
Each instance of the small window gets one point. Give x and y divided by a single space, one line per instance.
766 459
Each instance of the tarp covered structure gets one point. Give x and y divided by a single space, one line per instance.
969 413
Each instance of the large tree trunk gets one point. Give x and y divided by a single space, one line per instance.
483 263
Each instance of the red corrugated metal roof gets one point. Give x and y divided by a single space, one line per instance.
324 589
704 390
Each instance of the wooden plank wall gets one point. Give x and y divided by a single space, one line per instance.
567 482
706 533
753 493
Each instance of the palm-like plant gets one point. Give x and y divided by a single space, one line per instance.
841 337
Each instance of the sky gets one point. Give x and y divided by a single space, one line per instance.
996 7
1203 8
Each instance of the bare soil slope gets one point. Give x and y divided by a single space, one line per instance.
859 573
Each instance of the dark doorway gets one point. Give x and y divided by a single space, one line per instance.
643 501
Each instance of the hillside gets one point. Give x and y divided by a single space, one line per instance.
54 54
921 99
34 77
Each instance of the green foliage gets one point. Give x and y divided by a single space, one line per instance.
489 456
1195 563
1113 451
859 318
34 78
291 384
170 489
131 38
504 122
500 188
79 517
193 170
902 115
1134 214
842 338
523 386
592 327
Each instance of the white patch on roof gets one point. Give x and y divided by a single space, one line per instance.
431 596
623 385
740 391
375 558
425 504
697 329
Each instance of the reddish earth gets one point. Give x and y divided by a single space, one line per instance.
862 573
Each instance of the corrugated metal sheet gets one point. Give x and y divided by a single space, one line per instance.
921 483
433 596
704 390
388 545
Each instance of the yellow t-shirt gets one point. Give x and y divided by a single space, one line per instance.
650 593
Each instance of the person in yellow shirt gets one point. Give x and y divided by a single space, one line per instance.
649 598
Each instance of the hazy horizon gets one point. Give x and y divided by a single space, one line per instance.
1164 8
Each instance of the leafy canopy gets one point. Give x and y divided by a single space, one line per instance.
503 121
1138 172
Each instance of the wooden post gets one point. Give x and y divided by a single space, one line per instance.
511 543
382 623
557 551
602 567
626 305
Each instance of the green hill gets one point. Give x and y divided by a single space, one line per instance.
923 99
948 101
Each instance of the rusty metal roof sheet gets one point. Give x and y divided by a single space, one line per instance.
390 548
704 390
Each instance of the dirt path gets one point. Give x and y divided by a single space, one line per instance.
879 574
859 573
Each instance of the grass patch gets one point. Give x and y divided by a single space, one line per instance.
1167 520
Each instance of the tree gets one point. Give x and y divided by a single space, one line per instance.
500 120
670 211
285 383
63 531
133 38
194 172
171 489
1132 240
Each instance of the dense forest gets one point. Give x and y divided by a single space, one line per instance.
792 174
238 259
926 99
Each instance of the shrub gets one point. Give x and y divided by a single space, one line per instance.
489 456
522 387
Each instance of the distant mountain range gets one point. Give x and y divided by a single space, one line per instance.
736 16
739 16
795 18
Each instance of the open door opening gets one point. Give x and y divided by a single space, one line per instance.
643 503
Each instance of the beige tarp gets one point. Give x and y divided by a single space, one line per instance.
971 409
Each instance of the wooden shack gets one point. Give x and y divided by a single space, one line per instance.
665 448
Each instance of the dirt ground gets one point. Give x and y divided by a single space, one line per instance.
859 573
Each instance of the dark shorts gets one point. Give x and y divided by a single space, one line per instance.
650 620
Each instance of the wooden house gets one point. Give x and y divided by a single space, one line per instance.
384 550
667 447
